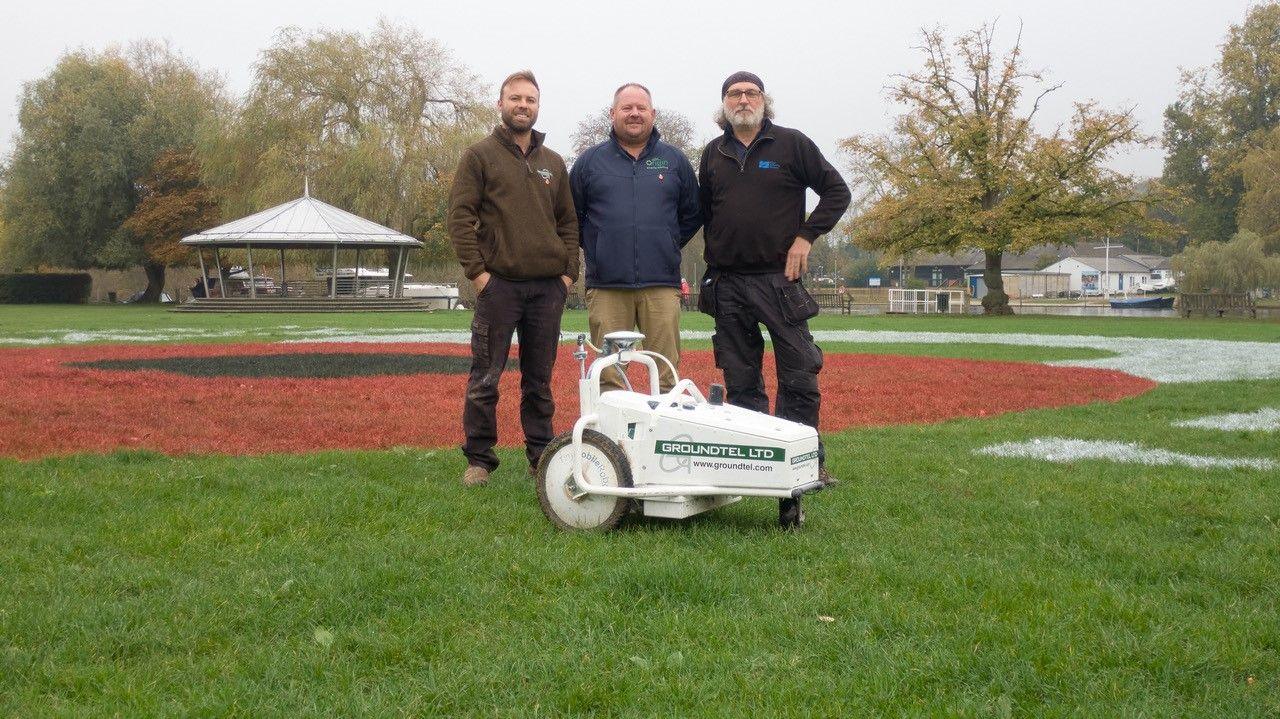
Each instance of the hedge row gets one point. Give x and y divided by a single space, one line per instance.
25 288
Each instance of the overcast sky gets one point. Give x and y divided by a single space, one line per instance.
826 63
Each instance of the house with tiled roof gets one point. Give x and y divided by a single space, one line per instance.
1042 270
1021 274
937 270
1161 267
1096 275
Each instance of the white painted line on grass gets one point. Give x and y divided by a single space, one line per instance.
1162 360
1266 419
391 336
1062 450
76 337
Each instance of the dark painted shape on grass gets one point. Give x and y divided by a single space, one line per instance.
321 365
53 408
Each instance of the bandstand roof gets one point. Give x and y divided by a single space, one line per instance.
304 222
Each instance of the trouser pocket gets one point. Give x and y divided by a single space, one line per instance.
707 293
480 341
796 302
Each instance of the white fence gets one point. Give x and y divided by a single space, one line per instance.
922 302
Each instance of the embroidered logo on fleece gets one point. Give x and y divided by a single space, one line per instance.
657 163
769 165
545 175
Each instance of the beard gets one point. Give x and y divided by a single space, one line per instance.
752 118
748 118
518 124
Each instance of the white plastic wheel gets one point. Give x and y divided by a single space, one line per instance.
604 464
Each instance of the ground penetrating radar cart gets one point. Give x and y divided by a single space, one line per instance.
673 454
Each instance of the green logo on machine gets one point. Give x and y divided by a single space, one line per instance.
719 451
801 458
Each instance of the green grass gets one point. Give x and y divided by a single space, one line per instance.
373 584
40 320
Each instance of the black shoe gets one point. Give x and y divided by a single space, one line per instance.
790 514
828 479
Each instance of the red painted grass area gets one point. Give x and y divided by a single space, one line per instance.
50 408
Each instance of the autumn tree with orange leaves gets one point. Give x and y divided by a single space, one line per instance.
966 169
172 204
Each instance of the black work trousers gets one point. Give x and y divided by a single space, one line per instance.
531 308
741 303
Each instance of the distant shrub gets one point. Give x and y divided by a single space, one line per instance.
29 288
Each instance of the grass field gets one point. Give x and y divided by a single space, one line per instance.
932 581
42 320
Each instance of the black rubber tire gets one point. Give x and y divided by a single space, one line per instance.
618 462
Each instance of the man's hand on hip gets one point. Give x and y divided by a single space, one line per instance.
798 259
568 281
479 281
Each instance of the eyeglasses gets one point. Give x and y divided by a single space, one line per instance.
749 94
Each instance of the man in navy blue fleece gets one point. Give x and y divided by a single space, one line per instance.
753 180
637 203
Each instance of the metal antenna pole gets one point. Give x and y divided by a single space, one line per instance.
1106 269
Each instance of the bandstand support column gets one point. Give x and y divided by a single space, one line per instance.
333 289
395 279
355 292
253 286
204 274
222 281
404 269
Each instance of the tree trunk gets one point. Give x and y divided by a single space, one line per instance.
155 282
996 302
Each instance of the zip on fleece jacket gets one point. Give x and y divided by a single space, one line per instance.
634 213
754 208
511 212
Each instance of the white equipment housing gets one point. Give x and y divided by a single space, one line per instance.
683 454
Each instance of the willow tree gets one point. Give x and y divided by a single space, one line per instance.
1238 265
377 120
6 260
965 168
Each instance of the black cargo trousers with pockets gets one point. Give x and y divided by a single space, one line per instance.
742 302
531 308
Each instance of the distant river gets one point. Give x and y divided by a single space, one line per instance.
1072 311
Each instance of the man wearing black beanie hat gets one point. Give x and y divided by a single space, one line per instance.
752 182
741 76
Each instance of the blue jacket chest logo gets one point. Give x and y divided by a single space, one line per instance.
768 165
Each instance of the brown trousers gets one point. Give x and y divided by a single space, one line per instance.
532 309
653 311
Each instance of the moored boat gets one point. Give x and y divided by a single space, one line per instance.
1143 303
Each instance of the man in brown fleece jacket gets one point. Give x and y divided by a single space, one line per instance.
513 226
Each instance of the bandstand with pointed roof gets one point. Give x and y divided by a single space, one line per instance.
303 224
